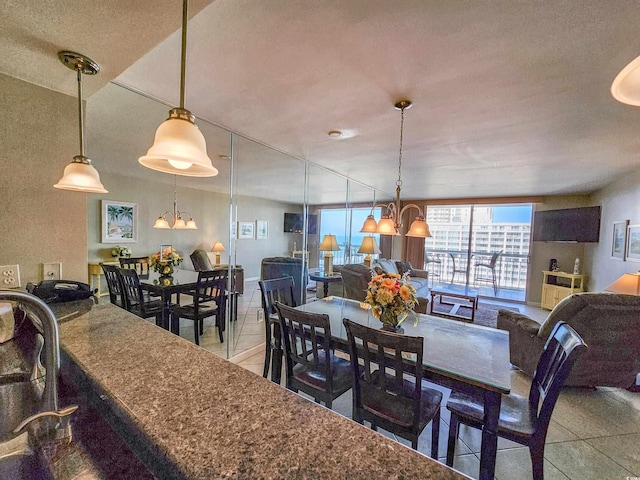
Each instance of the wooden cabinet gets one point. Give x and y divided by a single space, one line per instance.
559 285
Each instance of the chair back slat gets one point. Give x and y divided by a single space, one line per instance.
277 290
131 289
139 264
561 350
114 284
211 286
386 351
307 340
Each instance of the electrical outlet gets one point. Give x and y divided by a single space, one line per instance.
10 276
52 271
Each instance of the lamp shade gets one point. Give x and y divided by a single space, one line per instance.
81 177
629 284
218 247
329 244
179 148
161 223
386 226
369 245
626 86
370 225
419 228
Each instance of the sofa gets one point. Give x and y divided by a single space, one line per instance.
608 323
278 267
356 277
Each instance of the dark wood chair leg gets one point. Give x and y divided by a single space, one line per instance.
453 436
220 334
196 336
267 361
537 461
435 435
276 365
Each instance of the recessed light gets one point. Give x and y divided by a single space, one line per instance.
335 133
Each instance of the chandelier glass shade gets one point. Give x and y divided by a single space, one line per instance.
174 220
80 175
179 147
391 221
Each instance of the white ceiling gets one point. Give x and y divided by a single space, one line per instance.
510 98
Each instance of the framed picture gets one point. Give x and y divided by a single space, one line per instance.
633 243
165 252
262 229
246 230
619 240
119 222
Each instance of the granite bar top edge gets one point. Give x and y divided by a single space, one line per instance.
213 419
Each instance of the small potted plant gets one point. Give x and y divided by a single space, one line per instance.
392 299
121 252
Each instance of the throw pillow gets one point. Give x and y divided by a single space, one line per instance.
405 267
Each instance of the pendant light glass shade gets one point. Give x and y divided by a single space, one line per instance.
161 223
386 226
370 225
81 176
179 148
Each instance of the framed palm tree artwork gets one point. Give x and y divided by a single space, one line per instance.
119 222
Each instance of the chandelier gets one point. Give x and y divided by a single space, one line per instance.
390 223
177 222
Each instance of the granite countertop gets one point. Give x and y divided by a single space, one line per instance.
200 416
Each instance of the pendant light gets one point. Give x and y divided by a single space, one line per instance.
390 223
179 146
80 175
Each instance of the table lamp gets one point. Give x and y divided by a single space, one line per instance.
629 284
329 244
369 246
217 247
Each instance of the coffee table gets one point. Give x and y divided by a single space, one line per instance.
325 280
468 298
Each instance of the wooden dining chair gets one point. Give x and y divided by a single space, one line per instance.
387 384
524 420
275 290
139 264
311 364
134 296
114 283
209 300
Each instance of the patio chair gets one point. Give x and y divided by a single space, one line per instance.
491 266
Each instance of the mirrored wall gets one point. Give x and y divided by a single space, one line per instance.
263 206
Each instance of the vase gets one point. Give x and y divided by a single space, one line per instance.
165 270
391 328
390 322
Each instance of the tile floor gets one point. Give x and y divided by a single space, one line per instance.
594 433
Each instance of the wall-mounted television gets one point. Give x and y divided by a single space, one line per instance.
293 223
567 225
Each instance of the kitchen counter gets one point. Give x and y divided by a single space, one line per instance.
189 414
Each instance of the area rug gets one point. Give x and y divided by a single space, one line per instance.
486 314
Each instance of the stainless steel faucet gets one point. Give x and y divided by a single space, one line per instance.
45 322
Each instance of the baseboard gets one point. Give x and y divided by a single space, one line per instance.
247 353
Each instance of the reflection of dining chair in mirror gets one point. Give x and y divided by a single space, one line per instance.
139 264
114 283
524 420
209 300
458 266
275 290
135 300
312 366
487 265
388 391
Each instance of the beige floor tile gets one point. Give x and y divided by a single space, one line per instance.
515 463
622 449
579 460
468 464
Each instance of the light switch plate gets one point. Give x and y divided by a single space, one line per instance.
10 276
52 271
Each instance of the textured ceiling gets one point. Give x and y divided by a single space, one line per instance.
510 98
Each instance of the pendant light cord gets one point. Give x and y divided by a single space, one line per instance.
399 181
80 111
183 55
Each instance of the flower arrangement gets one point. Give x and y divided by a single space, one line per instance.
164 261
392 298
121 252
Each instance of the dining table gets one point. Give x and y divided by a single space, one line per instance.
458 355
180 282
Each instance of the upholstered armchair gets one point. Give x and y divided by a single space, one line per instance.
278 267
608 323
200 261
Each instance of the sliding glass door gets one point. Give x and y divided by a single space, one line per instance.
480 246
